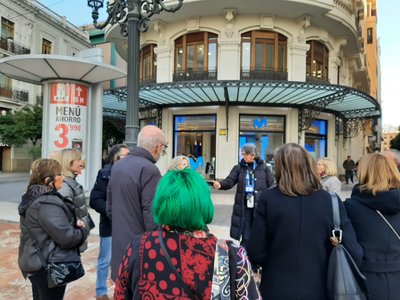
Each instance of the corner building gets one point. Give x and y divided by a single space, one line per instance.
218 74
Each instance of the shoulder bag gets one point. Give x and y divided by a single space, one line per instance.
59 273
388 223
345 281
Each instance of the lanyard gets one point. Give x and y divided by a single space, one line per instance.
250 174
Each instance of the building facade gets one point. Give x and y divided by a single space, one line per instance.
218 74
28 27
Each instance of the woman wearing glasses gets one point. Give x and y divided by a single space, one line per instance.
48 225
251 176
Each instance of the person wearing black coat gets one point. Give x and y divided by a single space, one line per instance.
378 192
48 226
98 198
290 234
251 176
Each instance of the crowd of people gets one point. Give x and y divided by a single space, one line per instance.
154 229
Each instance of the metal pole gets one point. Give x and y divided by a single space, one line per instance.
133 75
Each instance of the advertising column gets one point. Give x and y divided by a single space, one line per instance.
68 116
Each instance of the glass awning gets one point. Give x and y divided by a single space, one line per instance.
342 101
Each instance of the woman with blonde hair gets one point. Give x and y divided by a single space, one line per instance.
179 162
71 162
290 234
374 209
328 173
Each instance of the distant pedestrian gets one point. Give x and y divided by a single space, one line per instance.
291 230
182 259
374 199
48 226
98 198
349 165
251 176
328 173
71 162
179 163
131 190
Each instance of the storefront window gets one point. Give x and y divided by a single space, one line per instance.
316 139
265 131
194 136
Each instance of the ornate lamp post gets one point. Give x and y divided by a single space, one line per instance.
133 16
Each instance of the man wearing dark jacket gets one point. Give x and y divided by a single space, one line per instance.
131 190
252 176
98 198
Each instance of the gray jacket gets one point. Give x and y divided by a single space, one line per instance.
47 221
130 194
72 190
331 184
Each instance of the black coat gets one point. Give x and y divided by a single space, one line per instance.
98 198
290 241
263 180
130 195
48 221
381 263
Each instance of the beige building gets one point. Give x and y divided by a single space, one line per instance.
28 27
218 74
386 138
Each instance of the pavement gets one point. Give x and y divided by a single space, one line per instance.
14 286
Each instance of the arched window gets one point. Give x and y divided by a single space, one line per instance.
196 56
317 62
148 64
264 56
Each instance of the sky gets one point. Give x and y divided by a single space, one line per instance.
78 13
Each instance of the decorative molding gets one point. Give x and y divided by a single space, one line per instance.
267 22
193 24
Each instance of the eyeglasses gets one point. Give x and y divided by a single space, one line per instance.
164 152
60 174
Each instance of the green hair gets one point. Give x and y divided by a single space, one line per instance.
183 200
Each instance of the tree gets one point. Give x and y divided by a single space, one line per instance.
22 125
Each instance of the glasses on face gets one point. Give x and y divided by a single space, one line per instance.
164 152
60 174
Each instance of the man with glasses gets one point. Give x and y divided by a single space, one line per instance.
131 191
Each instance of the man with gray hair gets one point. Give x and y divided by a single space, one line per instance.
131 190
393 155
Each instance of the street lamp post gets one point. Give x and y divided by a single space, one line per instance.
133 16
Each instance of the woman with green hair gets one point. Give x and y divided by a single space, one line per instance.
182 259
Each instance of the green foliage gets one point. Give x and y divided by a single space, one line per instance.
22 125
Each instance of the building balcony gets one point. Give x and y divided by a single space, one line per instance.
318 80
263 74
13 47
191 74
14 94
148 80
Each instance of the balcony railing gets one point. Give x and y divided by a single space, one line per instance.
188 75
14 94
148 80
14 47
313 79
263 74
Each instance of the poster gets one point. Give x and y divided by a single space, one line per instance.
68 116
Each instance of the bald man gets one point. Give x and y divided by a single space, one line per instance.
131 190
393 155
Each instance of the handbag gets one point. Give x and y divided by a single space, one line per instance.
59 273
344 280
